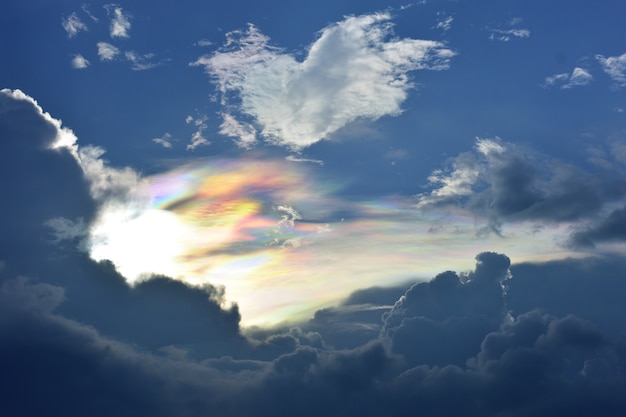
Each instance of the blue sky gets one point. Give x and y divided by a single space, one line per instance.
260 195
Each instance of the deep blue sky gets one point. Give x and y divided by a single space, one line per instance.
239 207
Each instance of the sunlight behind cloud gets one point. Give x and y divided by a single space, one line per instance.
270 233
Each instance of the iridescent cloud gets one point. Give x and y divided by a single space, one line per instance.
272 235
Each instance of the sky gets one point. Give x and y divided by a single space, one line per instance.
336 208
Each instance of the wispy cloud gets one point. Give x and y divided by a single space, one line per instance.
203 43
292 158
354 70
79 62
445 23
88 13
106 51
120 21
165 140
142 62
578 77
197 138
615 66
72 25
244 134
508 34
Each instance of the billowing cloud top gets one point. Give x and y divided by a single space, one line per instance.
353 70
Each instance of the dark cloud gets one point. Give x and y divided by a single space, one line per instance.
590 288
610 229
443 321
75 339
501 182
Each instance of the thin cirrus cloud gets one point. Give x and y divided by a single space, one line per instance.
615 66
578 77
165 140
508 34
73 25
353 70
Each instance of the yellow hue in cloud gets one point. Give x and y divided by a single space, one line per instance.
270 234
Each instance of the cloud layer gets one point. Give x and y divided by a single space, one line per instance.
353 70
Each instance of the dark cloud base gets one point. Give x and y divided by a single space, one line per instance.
503 340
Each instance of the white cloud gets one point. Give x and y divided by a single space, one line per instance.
79 62
204 42
165 140
507 35
107 183
292 158
67 229
578 77
615 66
445 24
73 25
107 52
88 13
141 62
120 21
197 138
244 133
354 70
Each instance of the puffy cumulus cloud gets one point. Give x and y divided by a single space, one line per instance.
107 52
452 314
39 177
578 77
499 181
571 286
165 348
79 62
73 25
120 21
615 66
354 70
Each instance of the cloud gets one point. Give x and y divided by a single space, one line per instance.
203 43
293 158
79 62
508 34
120 21
141 62
502 182
197 138
615 66
352 71
612 228
73 25
107 52
88 13
578 77
452 312
165 140
244 134
445 24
